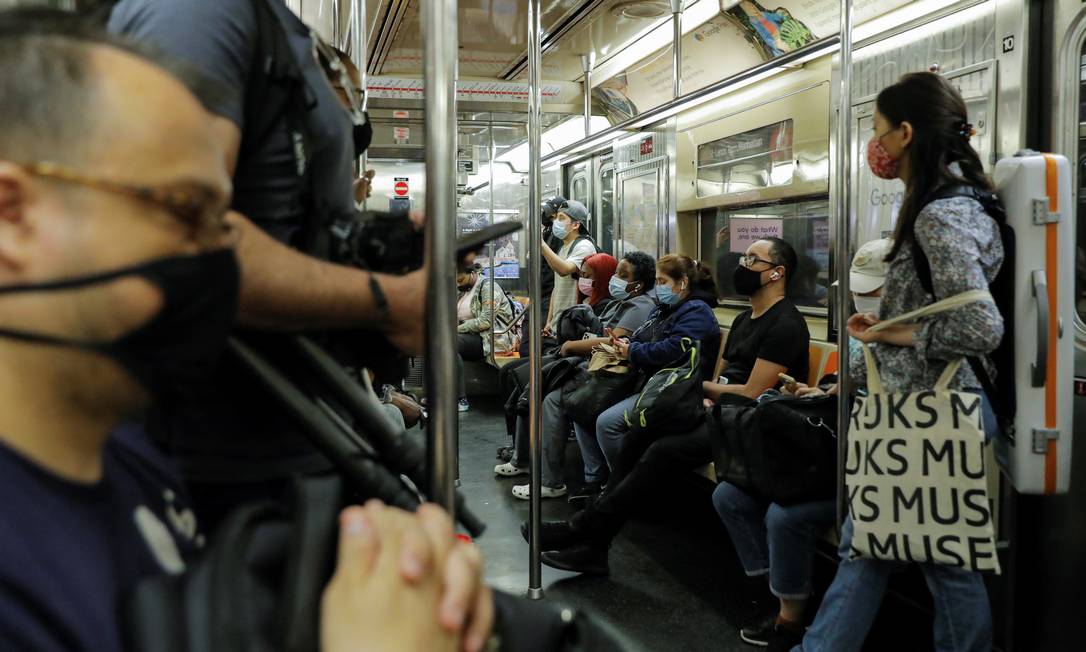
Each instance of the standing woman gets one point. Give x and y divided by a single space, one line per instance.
477 316
922 137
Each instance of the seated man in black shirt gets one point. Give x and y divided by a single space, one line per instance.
116 284
768 339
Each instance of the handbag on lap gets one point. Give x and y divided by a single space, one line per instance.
607 380
915 470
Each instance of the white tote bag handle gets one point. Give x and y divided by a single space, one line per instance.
874 382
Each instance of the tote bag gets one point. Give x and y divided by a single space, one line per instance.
915 468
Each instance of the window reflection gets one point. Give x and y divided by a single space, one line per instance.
726 234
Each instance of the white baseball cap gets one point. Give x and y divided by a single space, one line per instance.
868 271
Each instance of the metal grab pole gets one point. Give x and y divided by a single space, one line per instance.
358 56
677 47
842 262
439 34
535 292
588 62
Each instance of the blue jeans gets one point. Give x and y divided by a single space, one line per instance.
553 440
611 429
775 539
594 461
963 618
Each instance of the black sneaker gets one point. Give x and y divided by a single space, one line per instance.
579 558
760 633
785 637
589 490
505 453
553 535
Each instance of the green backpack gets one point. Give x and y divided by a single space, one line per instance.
672 397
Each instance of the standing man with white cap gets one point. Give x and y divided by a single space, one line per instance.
867 275
569 226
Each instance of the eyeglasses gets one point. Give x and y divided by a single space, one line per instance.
201 209
748 260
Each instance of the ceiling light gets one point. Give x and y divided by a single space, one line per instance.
640 9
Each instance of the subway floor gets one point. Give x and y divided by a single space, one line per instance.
675 582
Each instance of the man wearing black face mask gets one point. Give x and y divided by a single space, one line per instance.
772 337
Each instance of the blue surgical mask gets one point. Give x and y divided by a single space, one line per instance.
559 230
665 295
617 287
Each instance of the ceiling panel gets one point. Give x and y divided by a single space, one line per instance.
493 33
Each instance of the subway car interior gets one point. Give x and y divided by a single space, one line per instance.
702 133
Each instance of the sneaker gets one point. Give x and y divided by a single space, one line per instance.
509 470
505 453
553 535
785 637
462 405
760 633
590 490
524 491
579 558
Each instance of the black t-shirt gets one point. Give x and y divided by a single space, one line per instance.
779 336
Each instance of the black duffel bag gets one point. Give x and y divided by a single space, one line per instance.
783 448
258 587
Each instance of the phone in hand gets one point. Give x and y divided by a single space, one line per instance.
789 382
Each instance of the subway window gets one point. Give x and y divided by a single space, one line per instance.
726 234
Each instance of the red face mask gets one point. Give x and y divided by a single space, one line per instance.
883 164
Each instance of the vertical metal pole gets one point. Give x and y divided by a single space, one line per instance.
588 62
535 237
676 47
439 34
358 56
490 203
842 236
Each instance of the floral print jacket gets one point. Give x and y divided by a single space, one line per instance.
964 250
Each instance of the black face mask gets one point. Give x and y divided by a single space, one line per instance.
362 135
747 281
174 353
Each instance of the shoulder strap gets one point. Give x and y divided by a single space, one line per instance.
947 304
992 206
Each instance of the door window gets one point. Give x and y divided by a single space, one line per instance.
640 213
605 209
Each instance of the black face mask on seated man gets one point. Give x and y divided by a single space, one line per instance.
176 351
747 281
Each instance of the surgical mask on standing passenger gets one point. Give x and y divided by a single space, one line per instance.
585 285
617 287
177 350
883 164
867 305
747 281
559 229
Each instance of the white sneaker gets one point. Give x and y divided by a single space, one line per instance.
509 470
524 491
462 405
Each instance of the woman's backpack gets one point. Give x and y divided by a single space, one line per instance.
671 399
605 381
